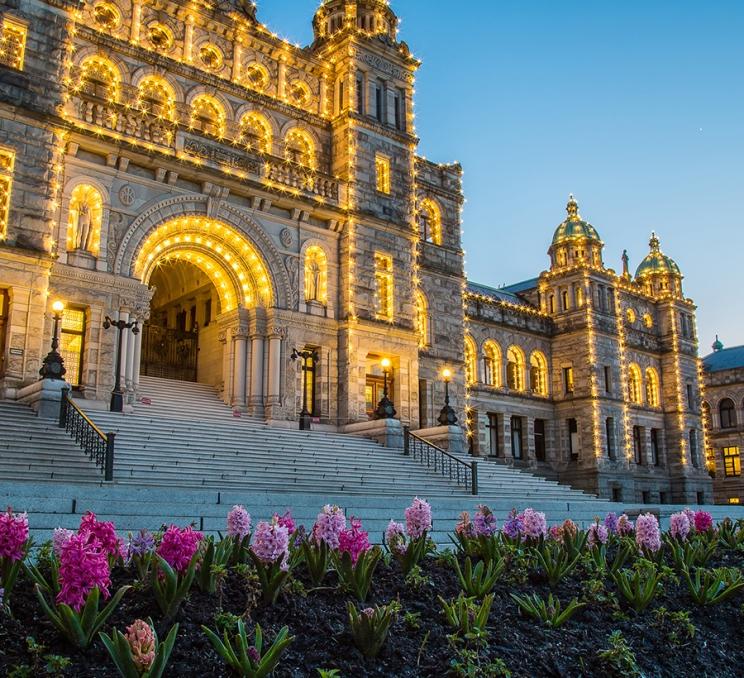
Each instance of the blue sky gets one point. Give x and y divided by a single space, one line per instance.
637 107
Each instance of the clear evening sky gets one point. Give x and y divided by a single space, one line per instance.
635 106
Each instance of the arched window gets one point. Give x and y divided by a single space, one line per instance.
299 148
256 77
430 221
634 384
255 132
515 368
316 275
652 387
156 96
422 318
300 94
538 373
491 363
727 410
84 222
100 77
471 369
208 115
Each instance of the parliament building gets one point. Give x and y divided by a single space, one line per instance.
177 164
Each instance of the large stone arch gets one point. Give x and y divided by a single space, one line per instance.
158 212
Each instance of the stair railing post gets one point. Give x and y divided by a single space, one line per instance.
63 407
474 477
406 441
109 461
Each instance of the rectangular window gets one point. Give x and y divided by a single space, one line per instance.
7 160
207 312
731 462
646 495
471 423
423 393
540 439
700 498
384 286
573 439
690 404
72 335
309 374
617 494
493 435
608 379
360 93
12 43
399 112
734 500
568 380
380 101
382 173
516 437
610 300
3 325
638 444
694 457
655 456
662 497
610 431
564 300
551 304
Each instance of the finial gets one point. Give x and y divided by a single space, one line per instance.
572 207
717 345
654 243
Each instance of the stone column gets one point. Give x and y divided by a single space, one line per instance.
123 315
275 365
505 434
281 84
226 373
257 380
188 40
134 32
237 55
137 360
129 371
239 373
323 96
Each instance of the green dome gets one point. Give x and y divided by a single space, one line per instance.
656 262
574 226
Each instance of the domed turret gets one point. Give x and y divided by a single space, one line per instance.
368 17
575 241
717 345
658 273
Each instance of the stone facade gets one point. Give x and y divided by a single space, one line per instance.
179 165
723 410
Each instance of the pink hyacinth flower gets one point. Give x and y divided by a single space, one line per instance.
395 537
418 518
271 543
534 524
354 541
648 535
103 531
329 524
679 525
141 639
13 534
703 521
178 546
83 566
238 522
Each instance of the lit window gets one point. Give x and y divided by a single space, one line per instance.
7 160
568 380
648 321
734 500
299 93
211 56
634 384
422 319
256 77
538 374
631 315
156 96
71 337
731 462
430 221
255 132
491 364
99 77
470 351
382 173
316 275
515 368
299 148
160 36
727 410
652 387
107 16
12 43
208 115
384 286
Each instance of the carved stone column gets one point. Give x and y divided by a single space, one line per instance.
129 370
281 79
134 32
137 360
237 56
323 96
257 376
275 365
239 367
188 40
125 335
226 373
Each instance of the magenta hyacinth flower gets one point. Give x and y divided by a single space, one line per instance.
103 531
484 522
178 546
597 535
703 521
647 533
286 521
418 518
513 525
534 524
238 522
59 537
354 541
679 525
13 534
271 543
329 524
83 566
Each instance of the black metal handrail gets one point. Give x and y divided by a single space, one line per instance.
462 472
99 446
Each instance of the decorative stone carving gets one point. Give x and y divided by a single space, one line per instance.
221 156
126 195
291 264
285 237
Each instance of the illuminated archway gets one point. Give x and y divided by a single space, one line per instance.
228 258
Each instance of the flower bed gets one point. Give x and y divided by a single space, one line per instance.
531 597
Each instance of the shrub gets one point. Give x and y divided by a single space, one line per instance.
138 652
370 627
676 626
549 611
247 660
468 618
638 586
619 658
711 587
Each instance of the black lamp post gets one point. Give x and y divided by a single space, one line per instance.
385 408
53 366
117 395
306 356
447 416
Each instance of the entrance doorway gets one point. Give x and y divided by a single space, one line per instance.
3 328
180 341
374 391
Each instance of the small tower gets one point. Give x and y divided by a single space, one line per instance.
658 274
575 242
369 17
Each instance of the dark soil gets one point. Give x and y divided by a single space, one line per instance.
318 620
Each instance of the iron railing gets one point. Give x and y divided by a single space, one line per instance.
99 446
440 461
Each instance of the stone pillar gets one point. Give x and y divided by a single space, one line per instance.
129 371
275 365
188 40
134 32
257 380
237 56
505 434
323 96
239 373
123 315
281 84
226 373
137 360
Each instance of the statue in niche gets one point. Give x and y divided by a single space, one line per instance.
86 209
82 228
313 280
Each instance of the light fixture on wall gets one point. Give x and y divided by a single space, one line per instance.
53 366
385 408
447 416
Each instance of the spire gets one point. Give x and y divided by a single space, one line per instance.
654 243
717 345
572 207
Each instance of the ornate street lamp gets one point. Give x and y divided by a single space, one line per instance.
385 408
447 416
117 395
306 356
53 366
